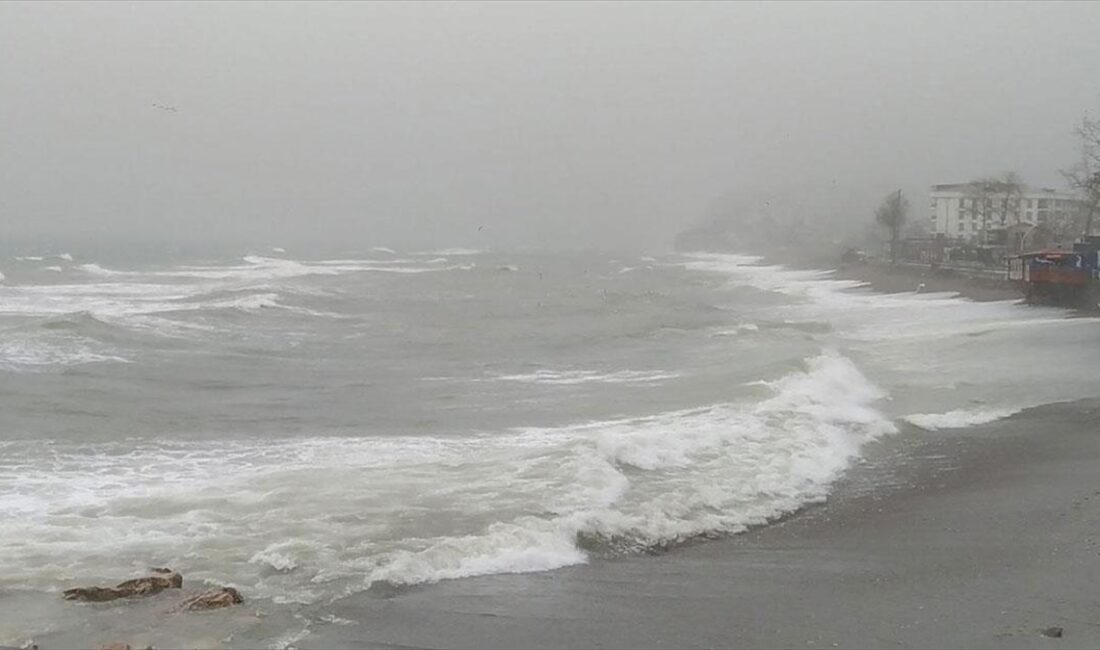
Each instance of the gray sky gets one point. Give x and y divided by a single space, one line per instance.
548 125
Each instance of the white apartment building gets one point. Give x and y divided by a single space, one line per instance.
966 211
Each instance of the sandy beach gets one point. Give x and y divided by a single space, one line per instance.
890 278
902 279
971 538
549 325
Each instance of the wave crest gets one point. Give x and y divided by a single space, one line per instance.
959 418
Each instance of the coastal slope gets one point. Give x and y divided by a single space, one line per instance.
981 537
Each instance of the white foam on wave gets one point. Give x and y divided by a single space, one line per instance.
313 519
150 307
983 319
707 471
250 302
569 377
916 341
66 257
160 302
738 330
258 268
20 353
818 287
451 252
960 418
274 558
100 298
56 269
96 269
29 258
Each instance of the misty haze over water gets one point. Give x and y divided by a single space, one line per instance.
345 305
512 125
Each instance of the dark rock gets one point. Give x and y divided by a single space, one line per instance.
147 586
92 594
213 599
1053 632
152 584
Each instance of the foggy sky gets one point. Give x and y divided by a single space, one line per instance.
544 125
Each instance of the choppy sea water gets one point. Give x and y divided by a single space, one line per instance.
307 429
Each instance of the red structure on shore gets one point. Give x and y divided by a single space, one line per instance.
1063 277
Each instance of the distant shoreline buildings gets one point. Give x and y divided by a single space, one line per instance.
990 212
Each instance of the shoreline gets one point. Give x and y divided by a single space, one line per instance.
900 535
886 278
979 537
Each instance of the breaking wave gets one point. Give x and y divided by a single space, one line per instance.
652 482
21 352
350 513
568 377
959 418
451 252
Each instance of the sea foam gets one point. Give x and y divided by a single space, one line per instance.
353 512
959 418
716 470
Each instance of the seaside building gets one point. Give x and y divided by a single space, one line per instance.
992 212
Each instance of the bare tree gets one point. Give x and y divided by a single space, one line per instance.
1010 198
995 200
892 214
1084 177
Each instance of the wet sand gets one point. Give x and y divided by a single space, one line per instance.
902 279
890 278
962 538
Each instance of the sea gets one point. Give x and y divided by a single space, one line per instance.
308 428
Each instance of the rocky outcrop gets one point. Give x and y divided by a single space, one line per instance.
1054 632
136 588
213 599
154 584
